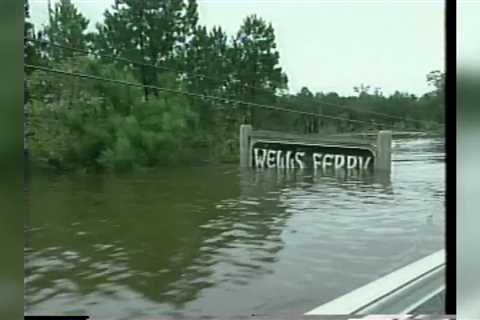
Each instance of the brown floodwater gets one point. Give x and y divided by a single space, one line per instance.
217 240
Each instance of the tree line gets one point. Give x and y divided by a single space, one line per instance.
76 123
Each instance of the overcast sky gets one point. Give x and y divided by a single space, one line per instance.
331 45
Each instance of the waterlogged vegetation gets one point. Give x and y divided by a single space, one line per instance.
81 123
75 123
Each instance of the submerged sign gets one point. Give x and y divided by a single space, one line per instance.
266 154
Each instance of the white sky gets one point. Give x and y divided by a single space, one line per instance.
331 45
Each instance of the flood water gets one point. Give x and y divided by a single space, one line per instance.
217 240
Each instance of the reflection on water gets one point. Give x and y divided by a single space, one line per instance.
224 241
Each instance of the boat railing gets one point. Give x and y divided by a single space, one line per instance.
403 291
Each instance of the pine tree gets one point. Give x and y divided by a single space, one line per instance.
28 32
207 69
205 61
27 56
256 60
148 31
66 27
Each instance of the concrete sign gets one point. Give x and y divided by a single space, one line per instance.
269 149
267 154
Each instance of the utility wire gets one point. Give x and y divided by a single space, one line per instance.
187 93
203 76
117 58
351 108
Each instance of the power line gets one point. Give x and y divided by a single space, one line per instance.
370 112
187 93
87 52
203 76
137 63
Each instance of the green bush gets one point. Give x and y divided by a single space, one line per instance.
98 126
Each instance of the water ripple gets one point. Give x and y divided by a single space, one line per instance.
222 241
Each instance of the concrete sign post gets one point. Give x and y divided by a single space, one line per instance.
384 151
245 132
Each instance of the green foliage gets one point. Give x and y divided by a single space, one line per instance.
31 53
148 31
437 79
94 125
67 27
258 75
374 110
75 123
